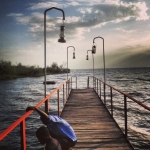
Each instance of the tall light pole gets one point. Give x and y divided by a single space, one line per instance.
67 57
61 40
87 58
94 51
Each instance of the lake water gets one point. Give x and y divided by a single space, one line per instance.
16 95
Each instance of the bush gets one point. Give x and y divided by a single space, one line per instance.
8 71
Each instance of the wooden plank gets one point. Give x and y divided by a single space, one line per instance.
94 127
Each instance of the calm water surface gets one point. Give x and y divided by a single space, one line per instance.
16 95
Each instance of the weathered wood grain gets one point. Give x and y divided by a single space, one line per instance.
94 127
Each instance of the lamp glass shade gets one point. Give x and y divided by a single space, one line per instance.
87 58
93 49
74 55
61 40
62 35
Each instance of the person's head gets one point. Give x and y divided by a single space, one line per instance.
44 120
42 134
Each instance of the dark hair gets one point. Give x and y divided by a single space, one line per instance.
42 131
42 134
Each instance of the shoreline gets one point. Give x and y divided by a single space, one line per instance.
12 77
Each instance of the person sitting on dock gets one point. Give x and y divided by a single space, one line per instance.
44 138
58 128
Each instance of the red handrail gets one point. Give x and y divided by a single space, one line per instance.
124 94
138 102
21 121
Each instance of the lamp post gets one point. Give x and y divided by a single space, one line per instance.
67 57
61 40
87 58
94 51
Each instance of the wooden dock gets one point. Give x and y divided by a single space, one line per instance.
94 127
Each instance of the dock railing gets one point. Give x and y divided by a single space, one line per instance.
66 87
105 91
100 88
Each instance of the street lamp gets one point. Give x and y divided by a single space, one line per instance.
61 40
87 58
94 51
67 57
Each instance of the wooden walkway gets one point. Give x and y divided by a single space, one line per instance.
94 127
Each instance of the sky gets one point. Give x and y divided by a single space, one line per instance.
123 24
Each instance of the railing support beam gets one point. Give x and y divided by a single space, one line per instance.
125 114
46 106
111 101
58 101
23 135
63 95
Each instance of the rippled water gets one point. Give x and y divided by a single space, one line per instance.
16 95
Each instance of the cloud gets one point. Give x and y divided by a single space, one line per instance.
85 10
43 5
128 59
103 13
125 31
35 23
129 1
92 15
72 3
142 13
15 15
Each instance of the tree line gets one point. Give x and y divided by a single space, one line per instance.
9 71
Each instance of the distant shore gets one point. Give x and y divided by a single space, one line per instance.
11 77
8 71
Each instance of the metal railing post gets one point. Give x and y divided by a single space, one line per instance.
76 82
125 114
97 86
68 87
100 90
58 101
63 95
93 82
104 94
88 82
71 82
23 134
111 101
66 90
46 106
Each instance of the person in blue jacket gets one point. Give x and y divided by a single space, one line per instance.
59 129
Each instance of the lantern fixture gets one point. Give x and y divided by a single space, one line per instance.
103 62
62 40
93 49
87 57
62 35
67 57
74 55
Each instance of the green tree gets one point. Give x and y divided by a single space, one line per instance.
8 71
